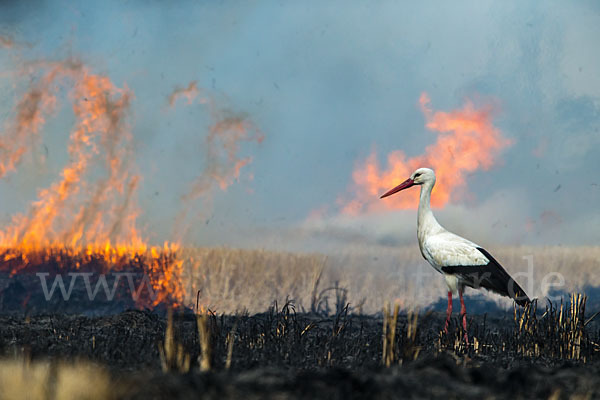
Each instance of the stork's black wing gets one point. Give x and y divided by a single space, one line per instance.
491 276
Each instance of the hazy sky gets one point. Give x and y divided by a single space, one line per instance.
327 82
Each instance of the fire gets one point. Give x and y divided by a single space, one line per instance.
467 141
86 220
73 211
82 220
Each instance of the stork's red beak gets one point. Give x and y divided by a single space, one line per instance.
404 185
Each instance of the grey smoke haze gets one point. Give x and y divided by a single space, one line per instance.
327 83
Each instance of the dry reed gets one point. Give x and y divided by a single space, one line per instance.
173 356
365 278
390 322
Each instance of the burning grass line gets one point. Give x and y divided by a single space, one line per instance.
159 267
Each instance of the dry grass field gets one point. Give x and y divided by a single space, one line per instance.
230 280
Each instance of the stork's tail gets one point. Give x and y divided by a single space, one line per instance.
503 283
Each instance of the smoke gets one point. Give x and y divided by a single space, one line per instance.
190 93
30 112
326 83
6 42
501 219
221 148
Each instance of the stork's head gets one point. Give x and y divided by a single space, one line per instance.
419 177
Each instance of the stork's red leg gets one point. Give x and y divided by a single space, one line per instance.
448 312
463 313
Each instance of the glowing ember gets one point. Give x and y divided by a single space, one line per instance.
467 141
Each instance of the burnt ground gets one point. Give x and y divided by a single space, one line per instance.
281 354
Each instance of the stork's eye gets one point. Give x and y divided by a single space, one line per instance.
417 175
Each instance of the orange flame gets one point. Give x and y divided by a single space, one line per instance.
73 210
467 142
81 220
87 218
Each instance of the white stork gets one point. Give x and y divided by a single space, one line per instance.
462 262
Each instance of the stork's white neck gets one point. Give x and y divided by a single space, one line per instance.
426 222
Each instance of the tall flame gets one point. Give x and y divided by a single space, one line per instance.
77 209
467 142
87 218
